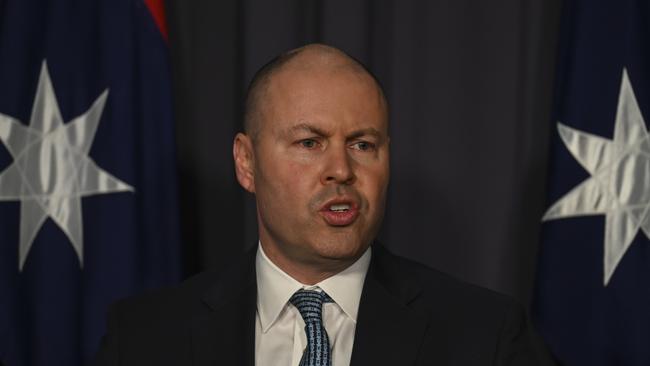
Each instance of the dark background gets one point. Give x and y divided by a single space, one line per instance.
470 88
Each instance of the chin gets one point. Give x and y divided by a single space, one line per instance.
340 249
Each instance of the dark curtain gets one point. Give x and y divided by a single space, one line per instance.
470 89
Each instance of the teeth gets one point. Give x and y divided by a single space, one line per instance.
340 207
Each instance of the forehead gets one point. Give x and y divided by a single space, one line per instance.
330 97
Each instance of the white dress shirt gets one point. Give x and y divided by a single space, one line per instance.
280 337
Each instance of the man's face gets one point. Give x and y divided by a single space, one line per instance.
321 165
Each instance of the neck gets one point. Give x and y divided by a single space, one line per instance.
304 270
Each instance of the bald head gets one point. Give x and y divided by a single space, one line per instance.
306 59
316 136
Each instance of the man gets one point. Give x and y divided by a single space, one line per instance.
315 153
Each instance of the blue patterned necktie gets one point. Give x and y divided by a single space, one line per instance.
310 305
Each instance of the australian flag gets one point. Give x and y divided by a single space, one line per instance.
88 208
592 299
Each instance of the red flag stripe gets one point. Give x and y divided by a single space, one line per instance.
157 10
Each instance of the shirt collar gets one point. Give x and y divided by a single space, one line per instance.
275 287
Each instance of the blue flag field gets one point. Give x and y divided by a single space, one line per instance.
592 298
88 200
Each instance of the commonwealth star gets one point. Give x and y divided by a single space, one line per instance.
619 186
51 168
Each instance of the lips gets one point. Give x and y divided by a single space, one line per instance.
340 212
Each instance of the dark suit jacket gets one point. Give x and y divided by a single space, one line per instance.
408 315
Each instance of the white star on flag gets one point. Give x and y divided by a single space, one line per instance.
619 186
51 170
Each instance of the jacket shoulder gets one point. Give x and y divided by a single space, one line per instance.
467 324
442 289
168 298
185 299
154 328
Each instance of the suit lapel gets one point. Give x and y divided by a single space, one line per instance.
388 332
225 334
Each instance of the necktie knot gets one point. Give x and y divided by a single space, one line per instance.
310 304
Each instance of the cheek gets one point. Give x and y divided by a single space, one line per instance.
373 182
286 184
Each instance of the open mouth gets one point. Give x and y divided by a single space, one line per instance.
340 213
340 207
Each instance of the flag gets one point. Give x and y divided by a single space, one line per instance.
88 208
592 297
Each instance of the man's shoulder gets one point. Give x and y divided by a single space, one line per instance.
153 327
187 298
463 323
440 288
165 303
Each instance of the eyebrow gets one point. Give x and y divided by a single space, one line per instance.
306 127
365 132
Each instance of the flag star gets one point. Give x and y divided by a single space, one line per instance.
619 186
51 168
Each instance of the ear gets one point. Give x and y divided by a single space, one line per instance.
242 151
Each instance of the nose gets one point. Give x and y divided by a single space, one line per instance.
338 166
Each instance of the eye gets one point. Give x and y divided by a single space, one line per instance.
308 143
363 146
